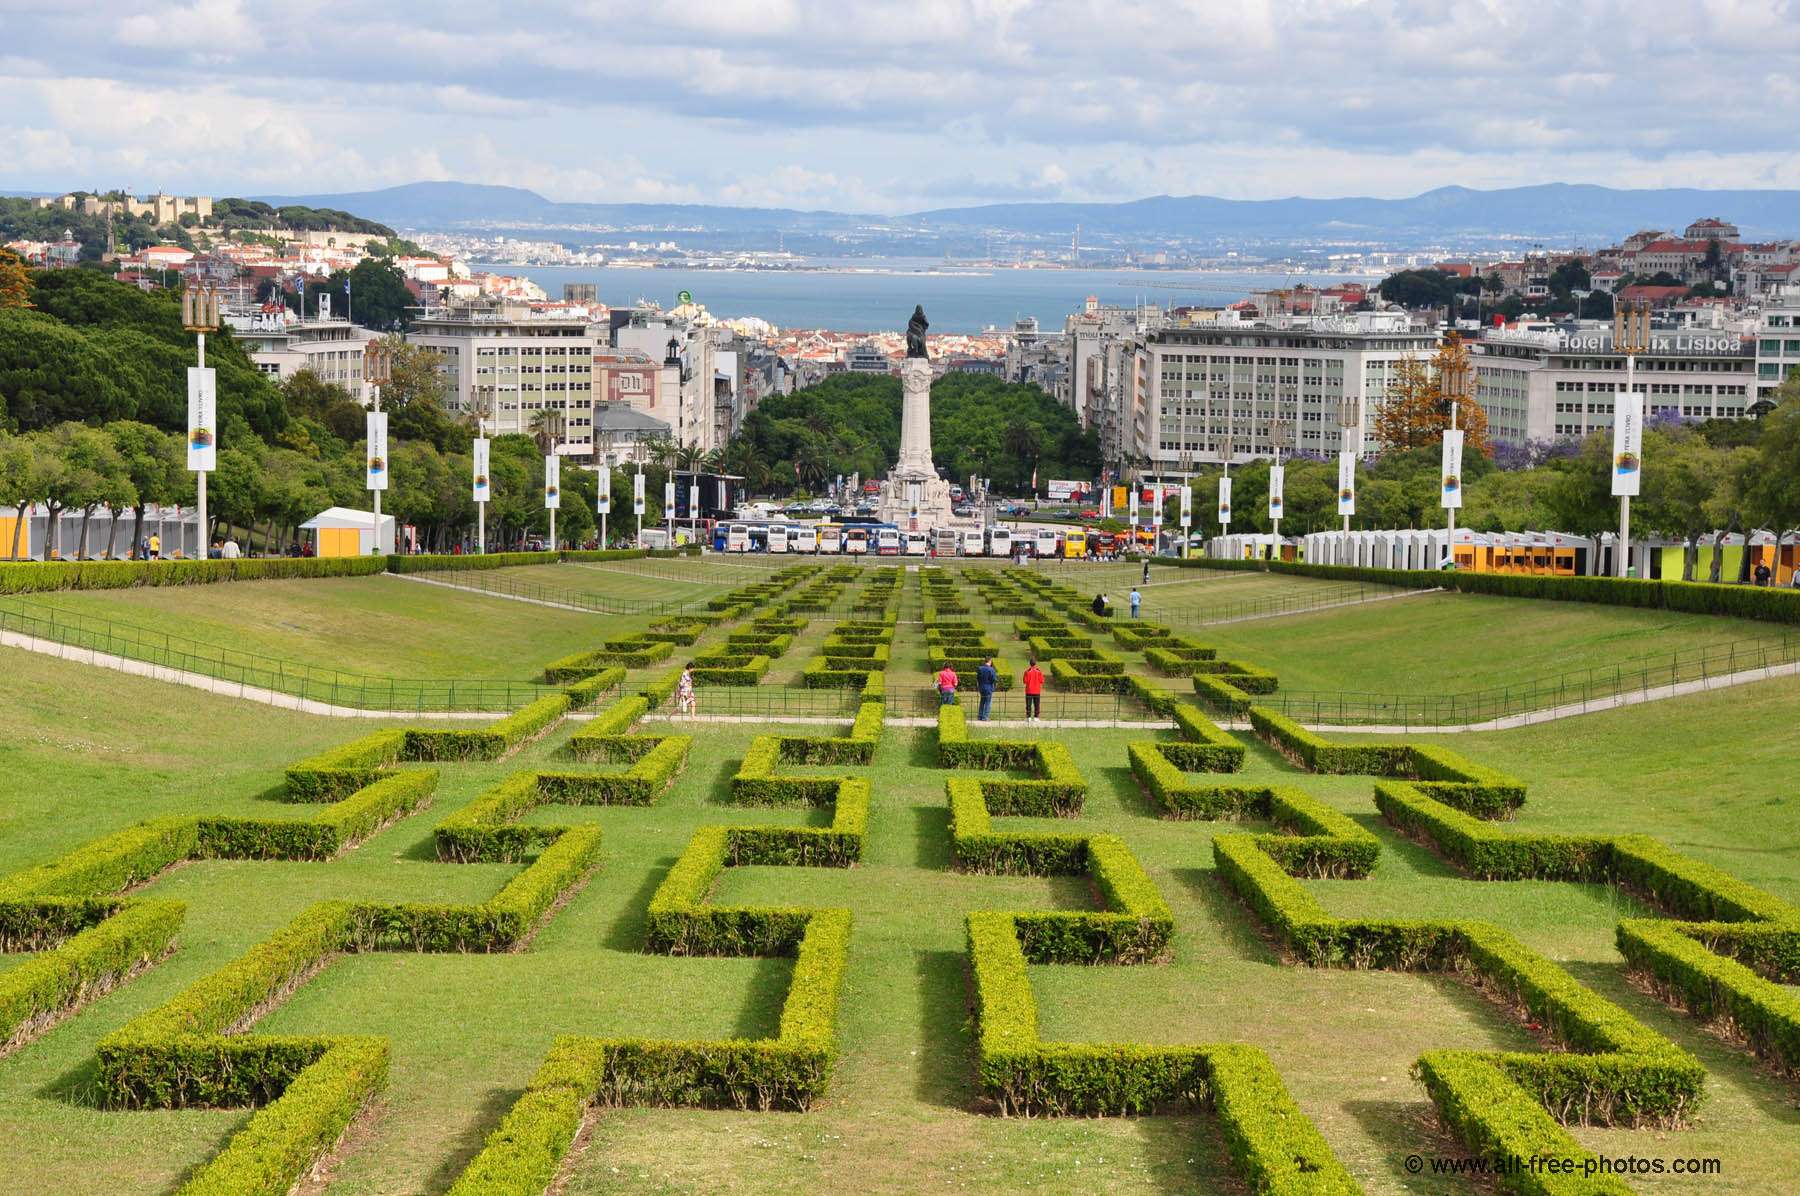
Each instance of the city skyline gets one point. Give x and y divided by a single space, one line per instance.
884 108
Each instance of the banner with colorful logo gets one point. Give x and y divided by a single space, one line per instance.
603 496
1133 502
1187 507
1346 483
1451 481
377 463
1628 444
637 494
1277 475
552 482
203 420
1224 500
482 486
668 500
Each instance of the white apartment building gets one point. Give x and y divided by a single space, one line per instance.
1198 387
691 348
281 344
1778 343
509 362
1559 384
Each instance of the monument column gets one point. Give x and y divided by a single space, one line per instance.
915 420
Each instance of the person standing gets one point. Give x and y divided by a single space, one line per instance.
156 548
1137 600
686 701
946 684
1034 691
987 679
1146 572
230 551
1762 573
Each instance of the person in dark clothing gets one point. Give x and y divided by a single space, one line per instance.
1146 572
1762 573
987 679
1100 605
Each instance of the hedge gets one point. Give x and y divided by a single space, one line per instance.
1681 960
1768 603
491 742
325 834
27 577
589 689
72 968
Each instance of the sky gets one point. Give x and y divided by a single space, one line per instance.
888 107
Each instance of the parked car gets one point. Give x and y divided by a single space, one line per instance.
963 512
1017 508
1090 513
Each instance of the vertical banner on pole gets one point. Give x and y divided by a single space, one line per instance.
1132 504
377 463
1224 500
1156 507
1187 506
668 500
1628 444
603 495
637 494
482 487
552 482
1277 475
1346 483
202 420
1451 482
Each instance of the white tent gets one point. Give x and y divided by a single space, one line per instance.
341 531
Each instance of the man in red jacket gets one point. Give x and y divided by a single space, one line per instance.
946 684
1034 691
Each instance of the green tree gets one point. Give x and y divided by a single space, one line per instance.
153 462
15 283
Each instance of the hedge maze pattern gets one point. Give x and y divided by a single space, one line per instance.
1724 952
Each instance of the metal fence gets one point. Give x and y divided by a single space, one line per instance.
333 686
1010 704
1584 687
775 701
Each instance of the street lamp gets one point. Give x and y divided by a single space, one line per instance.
200 315
377 371
1453 384
1279 430
1631 336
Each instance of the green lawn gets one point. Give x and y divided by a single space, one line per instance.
381 626
86 752
1450 643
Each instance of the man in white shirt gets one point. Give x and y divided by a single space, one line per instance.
230 551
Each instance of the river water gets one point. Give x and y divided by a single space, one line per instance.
875 294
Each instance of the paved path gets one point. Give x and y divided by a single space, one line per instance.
450 585
229 689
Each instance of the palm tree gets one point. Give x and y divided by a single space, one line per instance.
546 428
687 457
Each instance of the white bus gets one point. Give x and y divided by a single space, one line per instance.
805 539
1045 545
856 541
737 538
972 542
999 541
945 540
831 539
887 541
917 544
778 537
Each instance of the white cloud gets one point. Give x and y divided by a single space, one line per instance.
899 104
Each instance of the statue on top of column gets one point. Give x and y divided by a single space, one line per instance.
915 332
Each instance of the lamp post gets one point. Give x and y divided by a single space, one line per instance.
483 480
1453 383
1279 430
1350 433
377 370
1631 336
200 315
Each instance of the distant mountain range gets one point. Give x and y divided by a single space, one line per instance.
1560 211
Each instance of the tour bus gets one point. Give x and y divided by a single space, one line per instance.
917 543
1047 542
856 539
737 537
971 542
999 541
804 539
945 539
887 540
1075 542
831 539
778 537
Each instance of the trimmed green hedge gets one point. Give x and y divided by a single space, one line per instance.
28 577
1767 603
